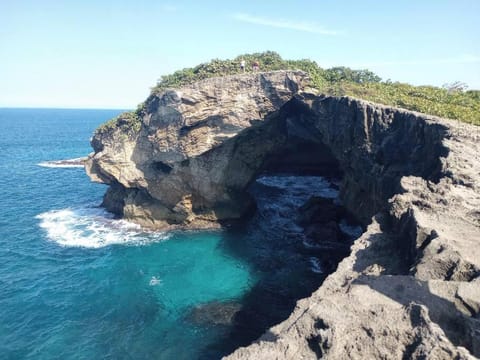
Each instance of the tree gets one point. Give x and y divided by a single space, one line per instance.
455 87
342 73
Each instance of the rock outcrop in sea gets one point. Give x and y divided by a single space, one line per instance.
410 287
197 150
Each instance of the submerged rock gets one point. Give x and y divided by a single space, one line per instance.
215 313
323 232
320 210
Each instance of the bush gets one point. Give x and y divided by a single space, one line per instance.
426 99
129 121
268 61
338 81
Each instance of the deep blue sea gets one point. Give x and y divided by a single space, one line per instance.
75 283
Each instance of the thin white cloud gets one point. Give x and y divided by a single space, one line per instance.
285 24
460 59
169 8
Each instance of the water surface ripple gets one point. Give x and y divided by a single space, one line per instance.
75 283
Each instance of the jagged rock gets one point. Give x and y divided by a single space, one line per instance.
196 150
409 288
398 293
321 232
362 311
319 210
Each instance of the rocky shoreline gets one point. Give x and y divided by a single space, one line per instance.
410 287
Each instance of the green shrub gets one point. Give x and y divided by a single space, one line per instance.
463 106
337 81
129 121
268 61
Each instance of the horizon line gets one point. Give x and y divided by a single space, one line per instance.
64 108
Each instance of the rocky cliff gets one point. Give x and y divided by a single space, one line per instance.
410 288
197 149
411 285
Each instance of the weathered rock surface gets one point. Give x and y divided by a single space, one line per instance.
411 285
410 288
198 147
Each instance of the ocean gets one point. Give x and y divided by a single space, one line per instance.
76 283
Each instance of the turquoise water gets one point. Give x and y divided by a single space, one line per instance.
78 285
75 283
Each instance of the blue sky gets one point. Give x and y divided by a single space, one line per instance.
108 54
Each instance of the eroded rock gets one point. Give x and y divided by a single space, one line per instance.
197 149
409 288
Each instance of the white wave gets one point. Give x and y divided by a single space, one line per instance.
155 281
296 186
52 165
68 163
92 227
293 192
316 265
309 244
353 230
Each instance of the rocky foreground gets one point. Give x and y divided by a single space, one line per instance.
410 287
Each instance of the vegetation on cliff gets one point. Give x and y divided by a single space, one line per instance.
341 81
457 105
130 121
453 103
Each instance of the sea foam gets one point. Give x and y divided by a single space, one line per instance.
69 163
353 231
316 265
93 227
301 186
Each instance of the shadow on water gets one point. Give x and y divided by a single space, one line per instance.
272 243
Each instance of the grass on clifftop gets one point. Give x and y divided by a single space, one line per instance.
457 105
449 102
340 81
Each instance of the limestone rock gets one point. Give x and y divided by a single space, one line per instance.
399 293
410 286
364 310
195 152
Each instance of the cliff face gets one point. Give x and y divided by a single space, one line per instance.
411 286
197 149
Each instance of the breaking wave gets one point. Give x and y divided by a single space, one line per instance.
354 231
316 265
301 187
69 163
93 227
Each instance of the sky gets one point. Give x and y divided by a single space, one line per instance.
108 54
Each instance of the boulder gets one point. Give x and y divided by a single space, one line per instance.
320 210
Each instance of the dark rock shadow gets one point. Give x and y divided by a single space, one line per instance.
280 263
384 251
374 147
267 303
